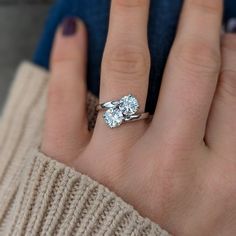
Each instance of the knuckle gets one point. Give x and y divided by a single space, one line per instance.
229 42
227 83
59 60
127 61
130 3
207 6
56 94
199 57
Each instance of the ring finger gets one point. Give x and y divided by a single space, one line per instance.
126 63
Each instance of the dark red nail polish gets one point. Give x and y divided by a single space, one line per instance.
231 26
69 26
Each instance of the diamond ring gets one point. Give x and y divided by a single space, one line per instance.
121 111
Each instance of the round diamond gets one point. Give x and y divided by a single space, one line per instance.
113 117
128 105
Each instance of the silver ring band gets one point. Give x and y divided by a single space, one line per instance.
107 105
121 111
141 116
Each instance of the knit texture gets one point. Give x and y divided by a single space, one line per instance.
40 196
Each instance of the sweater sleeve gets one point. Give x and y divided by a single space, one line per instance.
40 196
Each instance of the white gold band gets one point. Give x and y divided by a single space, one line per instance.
107 105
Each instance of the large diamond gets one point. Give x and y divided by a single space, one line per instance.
113 117
128 105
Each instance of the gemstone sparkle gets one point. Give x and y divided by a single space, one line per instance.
113 117
129 105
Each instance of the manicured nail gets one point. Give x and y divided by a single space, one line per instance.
69 26
231 26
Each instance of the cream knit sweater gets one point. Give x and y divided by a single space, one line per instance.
38 195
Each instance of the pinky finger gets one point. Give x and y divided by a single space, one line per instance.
221 128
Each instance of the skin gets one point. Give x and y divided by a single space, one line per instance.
180 169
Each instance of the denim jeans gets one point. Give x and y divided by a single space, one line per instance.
163 20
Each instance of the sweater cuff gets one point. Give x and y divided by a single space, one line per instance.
57 200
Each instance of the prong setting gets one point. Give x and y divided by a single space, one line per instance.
120 111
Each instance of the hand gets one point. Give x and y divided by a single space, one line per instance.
180 169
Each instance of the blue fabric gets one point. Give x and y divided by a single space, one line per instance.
95 13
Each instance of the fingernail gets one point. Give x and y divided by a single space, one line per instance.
69 26
231 26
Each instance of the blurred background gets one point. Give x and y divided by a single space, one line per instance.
19 20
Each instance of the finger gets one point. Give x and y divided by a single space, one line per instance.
221 127
126 60
66 129
191 74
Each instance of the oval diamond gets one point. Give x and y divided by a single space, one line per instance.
113 117
129 105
